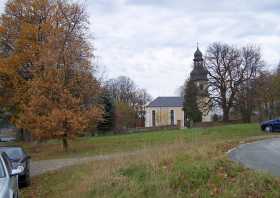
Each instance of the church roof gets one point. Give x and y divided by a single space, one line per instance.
167 102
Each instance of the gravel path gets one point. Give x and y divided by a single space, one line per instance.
43 166
260 155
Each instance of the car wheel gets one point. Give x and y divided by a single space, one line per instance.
268 129
15 195
26 182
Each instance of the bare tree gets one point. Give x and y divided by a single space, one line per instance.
142 98
268 97
265 95
246 97
123 89
130 101
227 71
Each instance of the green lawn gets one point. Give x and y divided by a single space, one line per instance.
89 146
182 163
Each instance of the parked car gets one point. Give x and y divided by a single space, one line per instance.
271 125
7 139
18 157
8 178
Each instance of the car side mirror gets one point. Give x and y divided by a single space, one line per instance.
17 171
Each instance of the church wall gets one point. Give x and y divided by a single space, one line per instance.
163 116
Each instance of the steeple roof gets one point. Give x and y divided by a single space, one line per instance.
199 72
197 53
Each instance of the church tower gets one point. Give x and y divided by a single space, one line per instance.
199 77
199 73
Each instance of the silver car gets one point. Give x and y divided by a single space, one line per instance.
8 178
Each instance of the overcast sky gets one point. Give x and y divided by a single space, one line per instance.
153 41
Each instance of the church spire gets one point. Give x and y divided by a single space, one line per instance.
199 72
198 54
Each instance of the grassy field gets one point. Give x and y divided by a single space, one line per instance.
89 146
182 163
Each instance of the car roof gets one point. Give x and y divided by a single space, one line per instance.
11 147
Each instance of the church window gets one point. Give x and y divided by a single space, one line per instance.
172 117
154 118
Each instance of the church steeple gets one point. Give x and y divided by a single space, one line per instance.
199 78
198 55
199 72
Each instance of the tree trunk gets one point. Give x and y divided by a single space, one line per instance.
225 115
246 116
246 119
19 134
65 144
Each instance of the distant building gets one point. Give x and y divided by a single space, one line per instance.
165 111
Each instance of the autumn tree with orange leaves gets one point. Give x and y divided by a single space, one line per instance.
45 59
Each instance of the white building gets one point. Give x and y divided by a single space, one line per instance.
165 111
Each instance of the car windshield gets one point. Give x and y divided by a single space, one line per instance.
13 153
2 171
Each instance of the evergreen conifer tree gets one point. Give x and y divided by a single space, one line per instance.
191 108
107 123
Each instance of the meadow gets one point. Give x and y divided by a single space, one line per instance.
178 163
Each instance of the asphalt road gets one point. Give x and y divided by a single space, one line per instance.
261 155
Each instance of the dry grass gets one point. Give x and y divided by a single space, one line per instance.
191 166
90 146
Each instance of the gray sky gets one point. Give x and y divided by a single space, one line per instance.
153 41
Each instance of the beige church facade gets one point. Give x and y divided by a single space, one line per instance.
165 111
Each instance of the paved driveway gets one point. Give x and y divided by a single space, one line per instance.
261 155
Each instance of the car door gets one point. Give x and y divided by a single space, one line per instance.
13 180
276 125
4 192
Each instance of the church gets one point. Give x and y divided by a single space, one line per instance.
164 111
